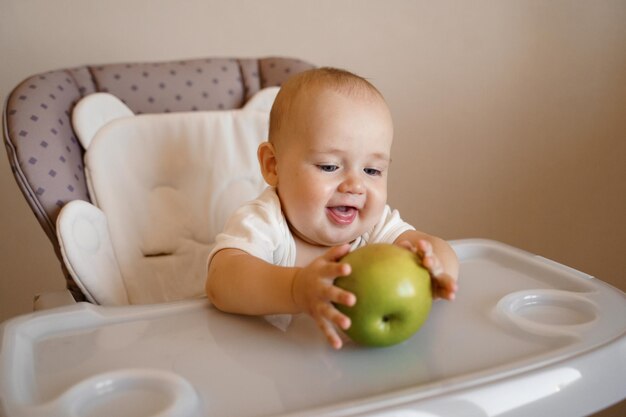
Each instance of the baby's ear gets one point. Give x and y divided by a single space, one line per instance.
267 161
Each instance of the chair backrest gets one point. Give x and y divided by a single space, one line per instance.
44 152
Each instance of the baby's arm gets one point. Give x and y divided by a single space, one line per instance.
238 282
438 257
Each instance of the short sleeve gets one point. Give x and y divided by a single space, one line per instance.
256 228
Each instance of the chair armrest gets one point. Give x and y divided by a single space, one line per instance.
88 254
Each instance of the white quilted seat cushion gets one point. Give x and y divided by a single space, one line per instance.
164 186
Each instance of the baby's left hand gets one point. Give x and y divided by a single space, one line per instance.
443 284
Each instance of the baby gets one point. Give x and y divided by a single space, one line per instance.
326 163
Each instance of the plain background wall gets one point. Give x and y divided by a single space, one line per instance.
510 115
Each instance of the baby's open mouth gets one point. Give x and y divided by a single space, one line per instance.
342 215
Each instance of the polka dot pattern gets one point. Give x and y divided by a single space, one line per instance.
208 84
273 72
40 136
45 155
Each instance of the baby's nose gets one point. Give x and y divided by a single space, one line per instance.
352 184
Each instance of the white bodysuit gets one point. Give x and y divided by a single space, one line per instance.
259 228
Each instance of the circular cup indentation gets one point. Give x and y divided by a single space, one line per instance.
136 392
548 312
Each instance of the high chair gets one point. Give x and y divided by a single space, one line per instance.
169 152
46 157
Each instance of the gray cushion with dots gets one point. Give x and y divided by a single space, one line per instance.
44 153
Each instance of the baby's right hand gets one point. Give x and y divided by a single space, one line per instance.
314 293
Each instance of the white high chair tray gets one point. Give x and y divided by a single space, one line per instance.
526 336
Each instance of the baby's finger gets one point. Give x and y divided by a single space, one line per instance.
335 269
336 317
406 244
424 248
444 286
339 296
329 331
445 295
433 264
336 252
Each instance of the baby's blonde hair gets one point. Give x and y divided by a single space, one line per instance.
333 79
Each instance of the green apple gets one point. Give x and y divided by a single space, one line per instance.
392 291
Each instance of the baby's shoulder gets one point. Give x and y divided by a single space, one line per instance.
264 208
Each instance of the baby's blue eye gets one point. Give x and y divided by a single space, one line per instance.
328 168
372 171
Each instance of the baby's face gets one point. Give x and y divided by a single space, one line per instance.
332 166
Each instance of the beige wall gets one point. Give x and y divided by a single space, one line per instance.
510 116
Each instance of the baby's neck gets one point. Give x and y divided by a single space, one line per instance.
306 252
